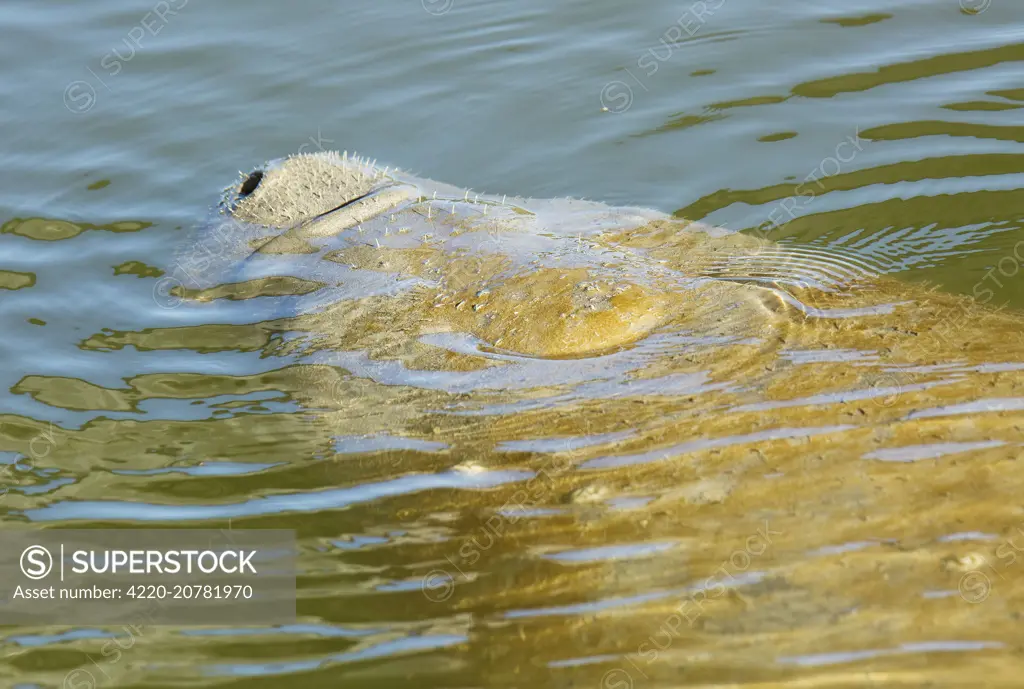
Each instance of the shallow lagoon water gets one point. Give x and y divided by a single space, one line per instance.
893 133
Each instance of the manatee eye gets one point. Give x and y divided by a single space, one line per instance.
250 184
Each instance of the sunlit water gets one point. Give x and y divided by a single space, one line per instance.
607 523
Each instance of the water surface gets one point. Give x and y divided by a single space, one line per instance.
886 134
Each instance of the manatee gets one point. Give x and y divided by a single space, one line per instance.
651 444
392 262
552 278
522 304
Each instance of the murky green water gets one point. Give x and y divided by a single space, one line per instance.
891 132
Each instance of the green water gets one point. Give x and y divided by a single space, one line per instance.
892 130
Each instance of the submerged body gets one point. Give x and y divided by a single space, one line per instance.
808 451
538 278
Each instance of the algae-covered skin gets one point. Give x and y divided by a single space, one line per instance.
733 462
538 278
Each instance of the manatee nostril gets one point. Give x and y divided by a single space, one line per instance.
250 184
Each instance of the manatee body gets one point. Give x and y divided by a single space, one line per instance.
385 262
811 447
539 278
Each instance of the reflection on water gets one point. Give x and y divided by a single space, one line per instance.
827 500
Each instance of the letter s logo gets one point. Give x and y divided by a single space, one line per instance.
36 562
